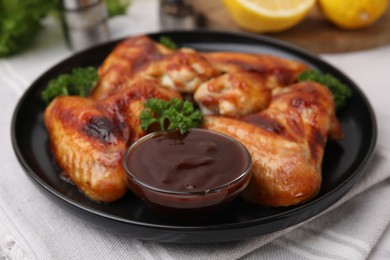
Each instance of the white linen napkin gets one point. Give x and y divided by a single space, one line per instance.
32 226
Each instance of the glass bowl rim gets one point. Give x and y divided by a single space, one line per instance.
245 172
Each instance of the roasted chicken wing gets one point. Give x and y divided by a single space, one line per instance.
286 142
88 137
277 71
183 70
234 94
124 62
247 83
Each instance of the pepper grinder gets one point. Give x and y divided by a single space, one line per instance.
84 23
177 15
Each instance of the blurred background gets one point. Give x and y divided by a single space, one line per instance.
320 26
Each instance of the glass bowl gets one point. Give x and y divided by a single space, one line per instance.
187 177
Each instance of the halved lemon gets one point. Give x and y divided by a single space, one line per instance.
266 15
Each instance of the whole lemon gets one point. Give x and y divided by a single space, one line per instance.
353 14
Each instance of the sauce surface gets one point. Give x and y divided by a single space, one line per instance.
196 161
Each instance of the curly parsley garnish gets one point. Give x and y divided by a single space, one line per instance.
78 82
167 42
340 91
173 114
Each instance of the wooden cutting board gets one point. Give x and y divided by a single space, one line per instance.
314 33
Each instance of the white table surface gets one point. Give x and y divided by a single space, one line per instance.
142 18
369 68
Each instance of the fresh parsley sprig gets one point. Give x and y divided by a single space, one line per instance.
173 114
167 42
340 91
78 82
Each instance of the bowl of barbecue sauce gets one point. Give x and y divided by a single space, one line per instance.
187 177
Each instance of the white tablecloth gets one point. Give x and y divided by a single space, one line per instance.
33 227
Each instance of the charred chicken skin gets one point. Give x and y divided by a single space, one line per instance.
251 97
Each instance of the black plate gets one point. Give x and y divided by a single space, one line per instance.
344 161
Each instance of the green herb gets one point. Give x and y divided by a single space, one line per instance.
20 20
78 82
340 91
167 42
174 114
117 7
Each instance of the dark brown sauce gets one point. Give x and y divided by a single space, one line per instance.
196 161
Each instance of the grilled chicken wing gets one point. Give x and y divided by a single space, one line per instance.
183 70
286 142
247 83
234 94
88 137
277 71
124 62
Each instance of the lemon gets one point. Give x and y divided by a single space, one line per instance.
353 14
266 15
